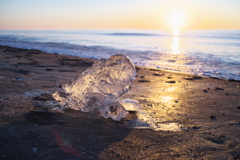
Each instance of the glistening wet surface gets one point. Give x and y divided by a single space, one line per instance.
44 117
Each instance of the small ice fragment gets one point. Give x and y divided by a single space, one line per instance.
169 127
116 111
100 86
130 104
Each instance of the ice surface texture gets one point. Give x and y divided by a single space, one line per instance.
100 86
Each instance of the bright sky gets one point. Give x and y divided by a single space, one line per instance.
119 14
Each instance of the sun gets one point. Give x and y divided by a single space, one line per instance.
177 19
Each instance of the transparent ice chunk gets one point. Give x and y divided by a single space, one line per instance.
100 86
130 104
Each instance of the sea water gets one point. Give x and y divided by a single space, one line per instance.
214 53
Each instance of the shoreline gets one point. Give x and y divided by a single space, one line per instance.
110 49
205 111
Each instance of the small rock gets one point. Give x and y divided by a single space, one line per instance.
218 89
19 79
197 77
195 127
118 154
205 91
188 78
212 117
143 81
170 81
238 107
156 74
155 70
149 104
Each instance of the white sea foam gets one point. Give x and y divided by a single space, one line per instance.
211 53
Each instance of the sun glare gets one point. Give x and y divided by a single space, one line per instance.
176 32
177 19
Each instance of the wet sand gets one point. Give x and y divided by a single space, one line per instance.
196 117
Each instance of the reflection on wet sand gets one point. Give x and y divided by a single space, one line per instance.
160 106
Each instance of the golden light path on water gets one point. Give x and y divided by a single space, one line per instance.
170 99
163 111
175 47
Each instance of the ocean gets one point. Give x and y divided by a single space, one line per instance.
213 53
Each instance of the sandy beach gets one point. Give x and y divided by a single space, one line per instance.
197 117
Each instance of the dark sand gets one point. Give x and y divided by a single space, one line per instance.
208 110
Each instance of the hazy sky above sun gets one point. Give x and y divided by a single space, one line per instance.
119 14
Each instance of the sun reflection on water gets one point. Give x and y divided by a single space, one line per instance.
176 32
175 48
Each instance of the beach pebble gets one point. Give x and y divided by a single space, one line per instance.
118 154
149 104
218 89
157 74
212 117
238 106
49 69
188 78
143 81
154 69
205 91
197 77
195 127
170 81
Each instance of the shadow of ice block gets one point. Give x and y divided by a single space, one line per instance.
100 86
